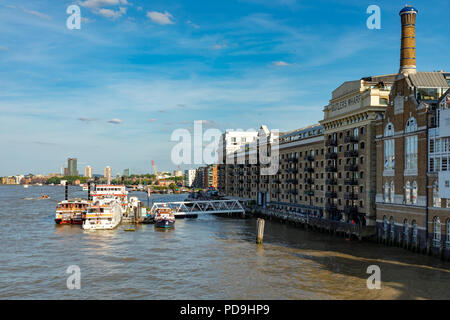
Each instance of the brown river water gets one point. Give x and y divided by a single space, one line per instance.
206 258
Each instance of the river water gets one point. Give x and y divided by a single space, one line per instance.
206 258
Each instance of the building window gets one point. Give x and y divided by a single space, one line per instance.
392 192
386 193
406 230
389 154
408 193
385 226
414 232
389 130
411 152
414 193
448 233
392 223
411 125
436 199
436 232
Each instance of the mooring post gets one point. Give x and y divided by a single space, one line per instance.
66 193
260 231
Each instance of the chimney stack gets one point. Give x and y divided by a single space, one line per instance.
408 48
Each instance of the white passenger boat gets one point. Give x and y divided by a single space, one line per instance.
118 193
104 214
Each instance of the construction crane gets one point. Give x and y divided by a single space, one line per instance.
156 171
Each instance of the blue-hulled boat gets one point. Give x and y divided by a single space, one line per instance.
164 218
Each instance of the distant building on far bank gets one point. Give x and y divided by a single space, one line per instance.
88 172
189 176
126 173
71 169
107 173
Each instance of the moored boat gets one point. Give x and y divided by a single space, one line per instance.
104 214
164 218
113 192
71 211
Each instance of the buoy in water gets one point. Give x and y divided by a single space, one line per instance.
130 230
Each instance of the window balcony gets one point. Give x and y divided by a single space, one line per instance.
292 170
292 181
331 182
330 208
350 209
308 158
350 139
309 193
331 143
308 169
331 155
351 168
350 196
351 154
350 182
293 191
308 181
331 168
331 194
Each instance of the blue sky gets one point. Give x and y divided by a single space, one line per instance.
113 92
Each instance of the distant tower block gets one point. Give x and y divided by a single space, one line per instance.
408 48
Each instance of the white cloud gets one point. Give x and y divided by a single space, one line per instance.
36 13
281 64
102 3
86 119
196 26
115 121
108 13
160 18
3 48
151 120
219 46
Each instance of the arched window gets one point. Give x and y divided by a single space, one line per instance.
411 152
392 192
436 232
411 125
408 192
386 193
392 223
414 193
448 233
406 230
436 199
385 226
414 232
389 130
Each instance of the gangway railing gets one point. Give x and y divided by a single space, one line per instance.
201 207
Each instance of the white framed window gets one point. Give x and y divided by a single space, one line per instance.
386 193
392 192
436 232
414 193
392 223
408 193
411 125
406 230
385 226
414 232
436 199
389 130
411 152
448 232
389 154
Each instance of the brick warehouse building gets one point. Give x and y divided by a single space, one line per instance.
379 158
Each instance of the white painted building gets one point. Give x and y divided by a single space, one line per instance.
189 176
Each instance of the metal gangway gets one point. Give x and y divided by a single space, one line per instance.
194 208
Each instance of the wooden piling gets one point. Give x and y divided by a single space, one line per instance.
259 231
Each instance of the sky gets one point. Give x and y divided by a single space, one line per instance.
112 92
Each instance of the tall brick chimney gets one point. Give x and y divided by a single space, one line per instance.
408 49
